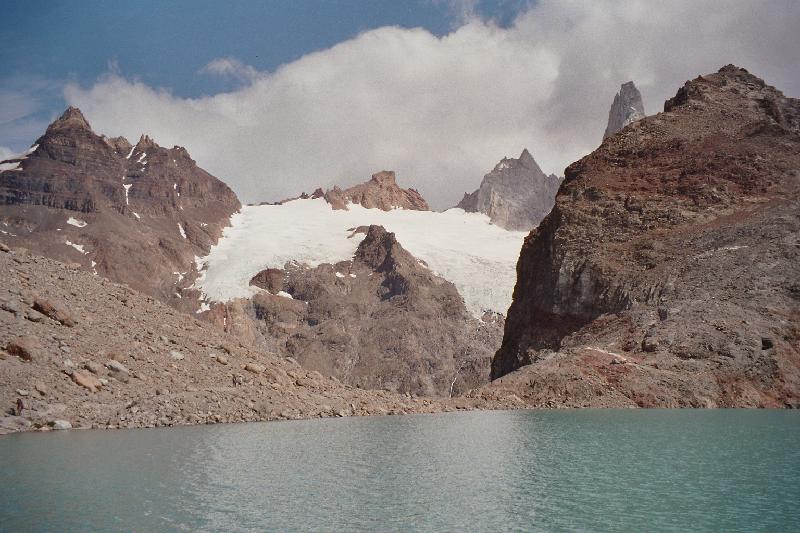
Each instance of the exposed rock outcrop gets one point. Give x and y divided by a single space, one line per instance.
516 194
626 109
667 272
137 214
382 320
132 362
380 192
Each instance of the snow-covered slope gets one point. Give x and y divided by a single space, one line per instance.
464 248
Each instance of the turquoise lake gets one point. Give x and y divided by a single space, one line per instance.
576 470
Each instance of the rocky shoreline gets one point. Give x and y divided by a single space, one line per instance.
81 351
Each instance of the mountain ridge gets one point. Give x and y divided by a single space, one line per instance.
665 274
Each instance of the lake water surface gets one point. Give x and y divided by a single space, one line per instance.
579 470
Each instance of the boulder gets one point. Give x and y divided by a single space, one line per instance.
25 347
87 381
53 310
255 368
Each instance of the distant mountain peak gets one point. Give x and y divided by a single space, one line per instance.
384 178
72 118
526 158
626 108
380 191
146 142
515 195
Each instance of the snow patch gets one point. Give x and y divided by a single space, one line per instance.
339 275
130 153
127 187
136 214
76 222
9 166
141 157
181 230
78 247
285 294
464 248
203 307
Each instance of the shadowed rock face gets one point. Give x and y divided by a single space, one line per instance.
135 214
516 195
626 109
380 192
382 320
667 272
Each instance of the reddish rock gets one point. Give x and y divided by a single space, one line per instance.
270 279
54 310
674 231
136 214
87 381
380 192
25 347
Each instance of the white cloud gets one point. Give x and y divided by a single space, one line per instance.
6 153
230 67
442 111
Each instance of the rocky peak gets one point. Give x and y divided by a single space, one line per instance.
661 276
135 218
71 119
145 143
380 251
380 192
527 160
729 87
121 145
384 178
626 109
515 195
381 320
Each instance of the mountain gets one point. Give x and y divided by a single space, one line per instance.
137 214
380 192
667 273
381 320
626 109
78 350
516 194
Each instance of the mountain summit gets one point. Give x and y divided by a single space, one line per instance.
516 194
135 214
627 108
381 192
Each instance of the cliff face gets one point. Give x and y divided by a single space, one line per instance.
626 109
382 321
380 192
667 272
135 214
516 194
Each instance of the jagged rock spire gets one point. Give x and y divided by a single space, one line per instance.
627 108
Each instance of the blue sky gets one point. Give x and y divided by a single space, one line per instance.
44 44
277 97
